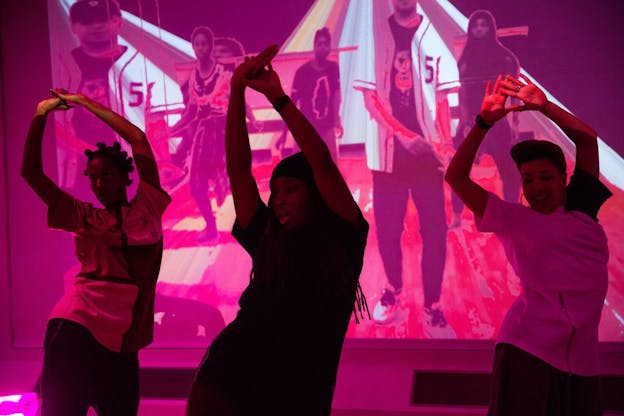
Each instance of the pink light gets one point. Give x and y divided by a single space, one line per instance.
25 404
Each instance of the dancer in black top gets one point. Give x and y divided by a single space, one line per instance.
280 354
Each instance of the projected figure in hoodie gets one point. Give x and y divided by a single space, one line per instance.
483 58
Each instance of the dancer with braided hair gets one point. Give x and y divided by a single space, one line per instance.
98 326
280 355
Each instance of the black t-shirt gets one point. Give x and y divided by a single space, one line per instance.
94 84
402 98
287 337
314 90
585 193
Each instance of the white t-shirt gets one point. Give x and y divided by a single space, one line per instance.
561 260
103 294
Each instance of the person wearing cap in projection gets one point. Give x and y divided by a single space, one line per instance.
86 69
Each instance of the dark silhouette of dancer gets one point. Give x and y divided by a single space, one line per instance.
280 354
97 328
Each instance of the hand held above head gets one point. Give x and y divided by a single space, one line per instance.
67 97
252 66
268 83
494 100
263 59
56 102
530 94
49 104
257 73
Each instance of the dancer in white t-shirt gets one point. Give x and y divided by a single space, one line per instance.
546 358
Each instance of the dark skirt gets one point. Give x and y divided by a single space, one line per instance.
522 384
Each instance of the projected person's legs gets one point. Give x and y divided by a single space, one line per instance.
428 194
200 173
218 174
389 205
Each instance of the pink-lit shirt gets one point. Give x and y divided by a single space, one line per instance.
104 301
561 260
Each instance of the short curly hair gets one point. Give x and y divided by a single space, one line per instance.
114 153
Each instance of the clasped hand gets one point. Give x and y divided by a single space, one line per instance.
60 100
257 73
493 107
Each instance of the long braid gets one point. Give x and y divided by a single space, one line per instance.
360 304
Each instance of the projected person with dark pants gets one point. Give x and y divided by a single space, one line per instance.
482 59
316 91
280 355
107 315
546 360
208 90
405 166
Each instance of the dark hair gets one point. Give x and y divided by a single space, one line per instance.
483 58
113 153
322 33
279 239
280 248
202 30
473 45
528 150
297 166
488 17
294 166
231 44
91 11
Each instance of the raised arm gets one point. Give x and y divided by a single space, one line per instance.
238 151
32 161
583 136
135 137
336 101
458 172
327 176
